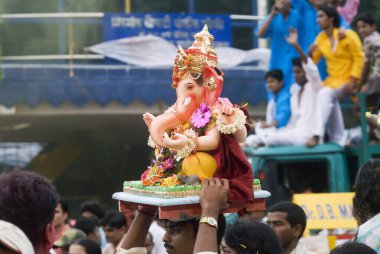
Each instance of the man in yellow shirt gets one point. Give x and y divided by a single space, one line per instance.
345 60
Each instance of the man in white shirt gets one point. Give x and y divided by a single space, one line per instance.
302 101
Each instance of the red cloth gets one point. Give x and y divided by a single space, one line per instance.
233 165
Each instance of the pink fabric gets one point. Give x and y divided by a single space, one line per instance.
349 10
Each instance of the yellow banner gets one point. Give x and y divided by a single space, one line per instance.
327 210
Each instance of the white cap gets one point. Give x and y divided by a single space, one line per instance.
13 238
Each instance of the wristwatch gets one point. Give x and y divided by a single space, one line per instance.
210 221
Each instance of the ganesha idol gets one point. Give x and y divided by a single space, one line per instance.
198 137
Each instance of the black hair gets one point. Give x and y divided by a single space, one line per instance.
297 62
353 248
94 208
64 205
331 12
367 191
365 18
28 201
195 224
87 225
114 219
294 214
247 237
276 74
90 246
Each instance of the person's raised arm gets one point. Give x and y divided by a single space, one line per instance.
312 72
214 196
136 235
264 28
293 40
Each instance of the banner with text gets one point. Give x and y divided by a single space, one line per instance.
327 210
176 28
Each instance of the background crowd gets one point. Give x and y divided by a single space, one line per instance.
317 59
33 219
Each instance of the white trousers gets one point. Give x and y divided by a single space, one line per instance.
260 136
329 114
278 137
287 137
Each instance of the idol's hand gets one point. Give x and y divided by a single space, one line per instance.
176 141
227 113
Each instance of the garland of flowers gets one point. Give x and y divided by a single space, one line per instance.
151 142
231 128
191 145
164 166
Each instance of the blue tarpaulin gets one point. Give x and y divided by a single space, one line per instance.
33 84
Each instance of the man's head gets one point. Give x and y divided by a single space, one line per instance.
298 72
328 17
283 6
90 226
367 191
250 237
274 79
353 248
90 209
366 25
61 213
115 226
85 246
180 236
288 220
28 200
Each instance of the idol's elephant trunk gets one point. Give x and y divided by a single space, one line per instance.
179 114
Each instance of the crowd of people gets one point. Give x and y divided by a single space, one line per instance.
316 60
33 219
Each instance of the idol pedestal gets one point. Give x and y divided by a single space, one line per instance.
182 208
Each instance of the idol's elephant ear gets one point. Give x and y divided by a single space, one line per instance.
213 84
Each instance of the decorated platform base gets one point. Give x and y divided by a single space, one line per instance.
177 208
